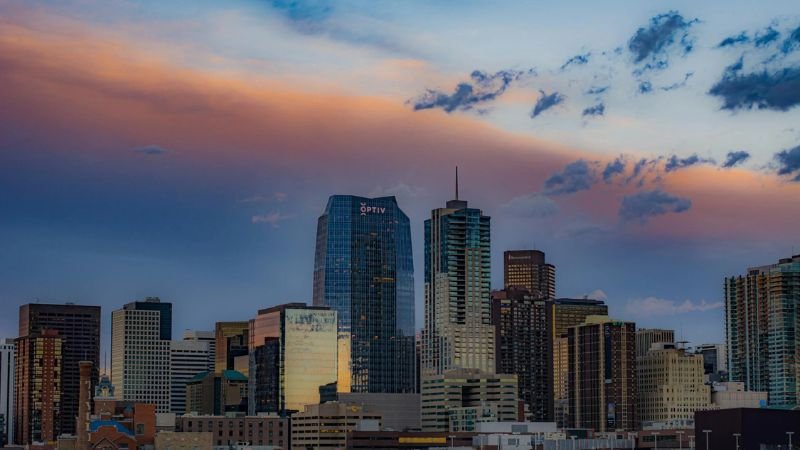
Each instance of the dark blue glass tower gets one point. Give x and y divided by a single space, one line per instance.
364 270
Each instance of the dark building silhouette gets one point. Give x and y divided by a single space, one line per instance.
527 269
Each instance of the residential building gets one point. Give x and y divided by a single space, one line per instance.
646 337
78 327
761 326
602 375
7 350
208 337
732 394
464 395
747 429
170 440
671 384
524 349
141 334
715 361
216 394
458 331
186 360
239 429
563 313
527 269
400 412
39 361
232 341
327 425
292 353
364 271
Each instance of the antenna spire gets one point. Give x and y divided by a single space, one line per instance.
456 182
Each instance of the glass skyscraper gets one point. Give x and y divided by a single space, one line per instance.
364 271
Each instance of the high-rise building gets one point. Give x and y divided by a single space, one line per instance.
715 361
563 313
364 271
292 353
78 327
671 385
523 348
141 335
527 269
761 329
231 342
208 337
37 410
458 330
457 399
186 359
602 375
646 337
7 349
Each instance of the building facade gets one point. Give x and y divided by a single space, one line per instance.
327 425
231 342
449 399
7 350
400 412
715 361
523 348
646 337
208 337
78 327
293 352
215 394
141 335
761 326
563 313
364 271
731 394
170 440
39 361
527 269
671 385
602 375
186 360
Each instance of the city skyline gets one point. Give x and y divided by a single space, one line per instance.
148 150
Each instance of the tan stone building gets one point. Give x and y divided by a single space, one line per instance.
168 440
326 425
671 384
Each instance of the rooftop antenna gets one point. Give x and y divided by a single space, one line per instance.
456 182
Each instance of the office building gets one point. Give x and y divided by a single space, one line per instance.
78 327
563 313
208 337
646 337
186 360
747 429
327 425
715 361
459 398
671 384
458 331
761 329
364 271
731 394
7 350
216 394
141 335
292 353
37 412
523 348
400 412
602 375
527 269
235 429
231 342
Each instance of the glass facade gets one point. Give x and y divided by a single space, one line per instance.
364 271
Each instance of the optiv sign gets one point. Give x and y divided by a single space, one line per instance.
371 209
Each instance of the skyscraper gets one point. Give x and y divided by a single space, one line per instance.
527 269
7 349
761 329
563 313
141 334
523 348
292 353
646 337
602 375
78 327
39 375
231 342
364 271
208 337
187 359
715 361
458 330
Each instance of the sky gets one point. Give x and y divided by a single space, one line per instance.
185 149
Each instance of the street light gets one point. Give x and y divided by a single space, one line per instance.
790 433
737 436
680 439
573 441
655 439
451 440
707 432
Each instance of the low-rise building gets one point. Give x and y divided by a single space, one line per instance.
732 394
747 429
372 440
215 394
327 425
239 429
400 412
168 440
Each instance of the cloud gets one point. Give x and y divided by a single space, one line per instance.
304 12
597 294
730 41
596 110
653 306
789 162
778 90
533 205
645 87
577 60
273 218
617 166
546 102
596 90
151 150
482 88
275 196
679 84
662 33
576 176
792 42
766 37
675 163
398 190
735 158
642 206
